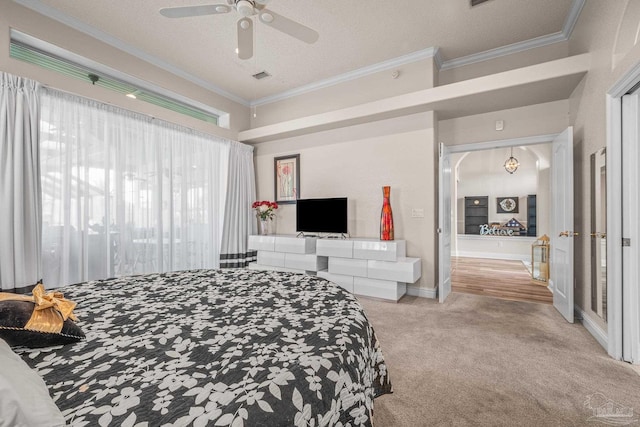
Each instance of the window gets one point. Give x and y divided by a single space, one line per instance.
124 194
46 55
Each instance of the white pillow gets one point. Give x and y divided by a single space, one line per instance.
24 398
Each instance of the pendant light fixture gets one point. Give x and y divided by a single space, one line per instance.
511 164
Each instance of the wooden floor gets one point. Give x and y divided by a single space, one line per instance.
497 278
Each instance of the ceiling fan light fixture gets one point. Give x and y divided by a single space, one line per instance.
244 7
266 17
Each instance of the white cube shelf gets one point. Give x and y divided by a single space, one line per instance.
259 267
274 259
310 262
405 269
379 288
368 267
295 245
346 282
379 250
262 243
348 266
335 248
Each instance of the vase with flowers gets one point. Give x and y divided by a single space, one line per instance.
265 212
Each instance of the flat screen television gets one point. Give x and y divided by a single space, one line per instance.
321 215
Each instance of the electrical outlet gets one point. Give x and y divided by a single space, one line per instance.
417 213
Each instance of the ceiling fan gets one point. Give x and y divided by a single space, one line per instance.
246 8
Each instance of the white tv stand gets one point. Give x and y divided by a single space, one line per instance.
369 267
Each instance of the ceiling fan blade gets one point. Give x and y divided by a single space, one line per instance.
187 11
245 38
289 27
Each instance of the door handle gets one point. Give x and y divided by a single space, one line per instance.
569 234
600 235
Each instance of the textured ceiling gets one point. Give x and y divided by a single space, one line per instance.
353 34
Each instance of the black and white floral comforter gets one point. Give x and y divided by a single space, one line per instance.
215 347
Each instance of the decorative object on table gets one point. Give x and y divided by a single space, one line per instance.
386 216
540 260
286 171
516 226
265 212
507 204
511 164
513 227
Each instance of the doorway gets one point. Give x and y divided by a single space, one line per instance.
501 207
561 224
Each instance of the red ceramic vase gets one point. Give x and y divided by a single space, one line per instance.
386 216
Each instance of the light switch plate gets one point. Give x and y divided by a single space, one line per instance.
417 213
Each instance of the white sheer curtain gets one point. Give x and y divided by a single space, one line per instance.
20 229
125 194
239 218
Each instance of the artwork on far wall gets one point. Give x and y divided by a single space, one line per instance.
287 178
507 204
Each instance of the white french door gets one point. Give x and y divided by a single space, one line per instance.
630 227
561 259
444 224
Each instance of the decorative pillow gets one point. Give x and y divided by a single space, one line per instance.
24 398
42 320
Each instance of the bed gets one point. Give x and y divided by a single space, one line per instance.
215 347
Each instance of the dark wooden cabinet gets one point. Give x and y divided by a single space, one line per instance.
531 215
476 213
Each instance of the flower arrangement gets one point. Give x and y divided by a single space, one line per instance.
265 209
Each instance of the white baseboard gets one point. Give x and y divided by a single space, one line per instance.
416 291
593 328
493 255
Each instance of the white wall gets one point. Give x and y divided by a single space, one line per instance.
355 162
539 119
603 30
494 247
412 77
481 173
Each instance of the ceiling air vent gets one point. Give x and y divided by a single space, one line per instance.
261 75
477 2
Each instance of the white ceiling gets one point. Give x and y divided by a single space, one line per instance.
353 34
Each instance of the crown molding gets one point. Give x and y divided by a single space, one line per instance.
503 51
50 12
561 36
351 75
437 58
572 17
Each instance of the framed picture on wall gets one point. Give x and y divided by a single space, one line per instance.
287 178
507 204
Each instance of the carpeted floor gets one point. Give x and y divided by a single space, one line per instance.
480 361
